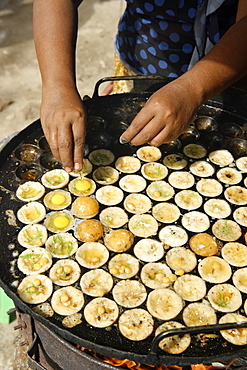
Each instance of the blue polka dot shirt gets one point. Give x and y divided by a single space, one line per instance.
167 37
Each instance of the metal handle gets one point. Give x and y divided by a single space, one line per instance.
127 78
152 356
34 365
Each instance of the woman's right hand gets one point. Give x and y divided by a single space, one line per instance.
63 115
63 119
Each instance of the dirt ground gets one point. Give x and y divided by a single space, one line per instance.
20 83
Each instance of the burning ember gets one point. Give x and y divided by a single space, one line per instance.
127 364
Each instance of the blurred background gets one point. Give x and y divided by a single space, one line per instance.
20 84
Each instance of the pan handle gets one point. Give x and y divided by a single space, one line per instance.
152 355
127 78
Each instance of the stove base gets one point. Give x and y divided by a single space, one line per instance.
37 348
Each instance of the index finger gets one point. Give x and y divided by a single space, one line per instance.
79 132
136 126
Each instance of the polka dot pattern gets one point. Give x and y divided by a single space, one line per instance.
161 36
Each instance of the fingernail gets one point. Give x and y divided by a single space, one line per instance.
68 169
123 141
77 167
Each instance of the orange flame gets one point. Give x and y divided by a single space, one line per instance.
128 364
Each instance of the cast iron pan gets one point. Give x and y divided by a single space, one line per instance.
116 111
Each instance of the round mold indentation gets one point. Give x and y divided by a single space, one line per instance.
95 124
171 147
244 127
205 123
85 150
43 144
114 115
190 135
99 140
238 147
213 140
95 134
116 128
48 161
122 149
134 107
231 130
29 172
27 153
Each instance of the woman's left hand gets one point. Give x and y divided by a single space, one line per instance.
165 116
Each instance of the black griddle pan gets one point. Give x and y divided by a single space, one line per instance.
116 110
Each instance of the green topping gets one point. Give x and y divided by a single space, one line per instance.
142 223
31 255
32 239
162 193
242 281
215 206
222 300
109 220
193 150
100 157
154 172
193 194
32 259
61 247
103 174
226 229
37 212
175 159
56 179
32 289
85 254
94 281
234 317
187 218
63 275
30 193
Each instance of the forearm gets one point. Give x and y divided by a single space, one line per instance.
55 34
225 64
62 114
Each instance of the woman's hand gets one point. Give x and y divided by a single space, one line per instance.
165 116
63 118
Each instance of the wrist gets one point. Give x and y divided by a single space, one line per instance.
59 89
186 87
